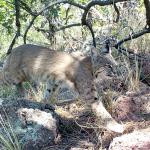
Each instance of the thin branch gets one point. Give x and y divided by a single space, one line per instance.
59 29
28 9
117 11
68 26
128 52
100 3
12 44
50 5
133 36
24 6
61 2
87 8
18 25
147 7
67 14
26 31
85 22
89 25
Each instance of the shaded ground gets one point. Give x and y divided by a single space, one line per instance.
76 127
37 126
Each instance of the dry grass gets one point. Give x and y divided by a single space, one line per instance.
8 138
129 71
134 77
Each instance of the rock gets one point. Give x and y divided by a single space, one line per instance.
138 140
133 106
31 124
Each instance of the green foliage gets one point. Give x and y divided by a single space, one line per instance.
61 15
7 15
6 92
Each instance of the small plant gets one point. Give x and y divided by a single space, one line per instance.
8 138
6 91
37 95
130 72
33 94
134 76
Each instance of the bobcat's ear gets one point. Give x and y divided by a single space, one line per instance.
106 48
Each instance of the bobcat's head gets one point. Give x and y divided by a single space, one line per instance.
104 57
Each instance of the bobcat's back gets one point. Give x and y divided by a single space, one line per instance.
31 62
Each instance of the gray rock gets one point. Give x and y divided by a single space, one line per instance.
33 127
139 140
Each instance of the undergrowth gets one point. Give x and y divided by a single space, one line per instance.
8 138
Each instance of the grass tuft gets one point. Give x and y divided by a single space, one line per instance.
8 138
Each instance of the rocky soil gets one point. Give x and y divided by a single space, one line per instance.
73 127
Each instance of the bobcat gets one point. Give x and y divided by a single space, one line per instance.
39 64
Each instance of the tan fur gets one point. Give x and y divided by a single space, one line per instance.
35 63
39 64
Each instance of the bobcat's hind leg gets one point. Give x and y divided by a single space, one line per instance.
35 86
20 90
53 86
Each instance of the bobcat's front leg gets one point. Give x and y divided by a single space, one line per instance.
87 90
101 112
